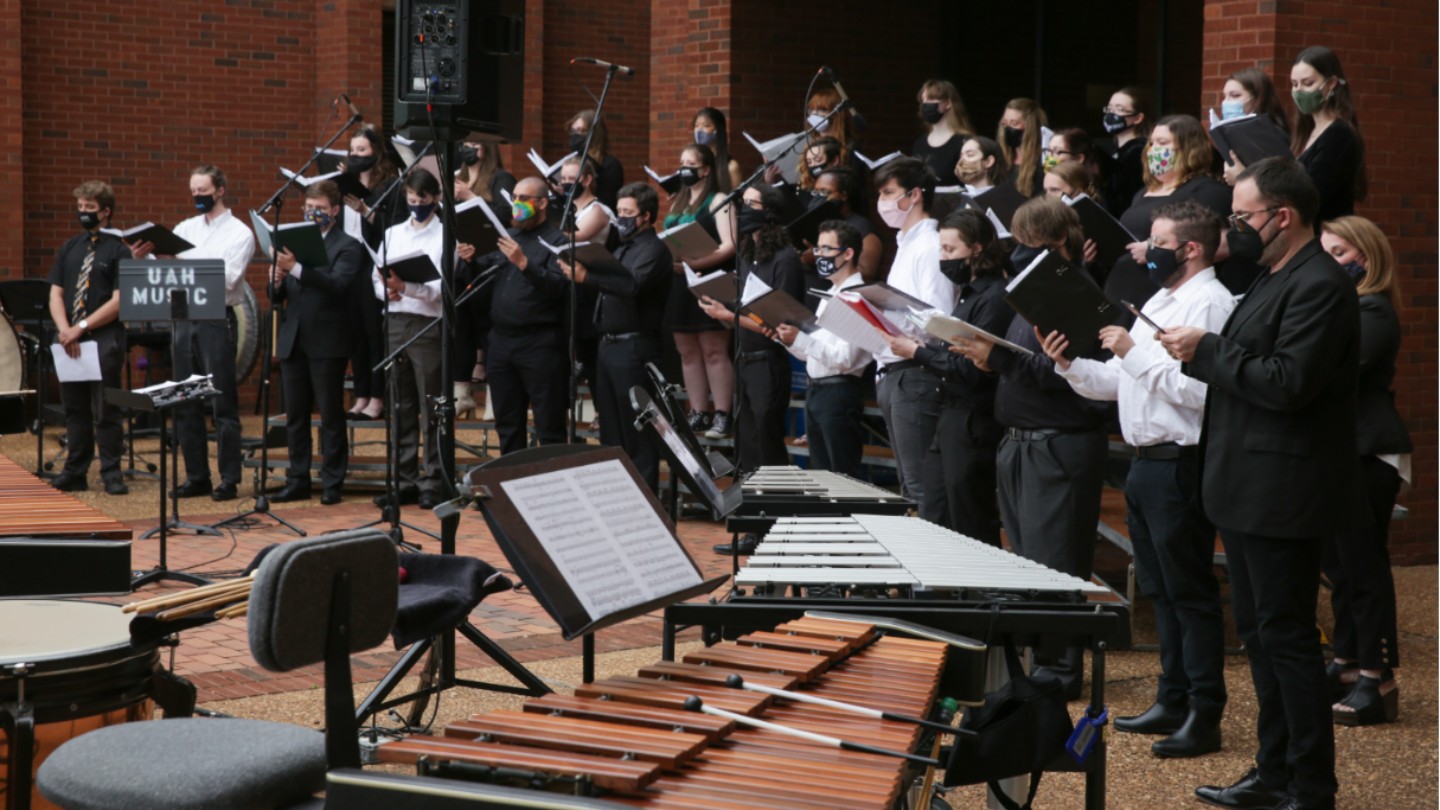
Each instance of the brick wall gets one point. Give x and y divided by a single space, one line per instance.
12 144
690 67
1389 55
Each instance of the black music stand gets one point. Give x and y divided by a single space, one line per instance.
27 302
716 465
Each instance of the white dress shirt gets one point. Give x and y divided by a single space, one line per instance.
826 355
1158 404
916 271
225 238
403 239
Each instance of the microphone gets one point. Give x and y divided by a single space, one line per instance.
590 60
844 97
354 113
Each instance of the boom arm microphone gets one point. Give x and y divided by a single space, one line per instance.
590 60
354 113
835 82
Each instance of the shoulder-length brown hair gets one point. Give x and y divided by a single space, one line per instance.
1045 221
1340 102
1026 159
600 143
1381 277
942 90
1193 153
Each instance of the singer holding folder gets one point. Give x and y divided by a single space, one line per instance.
85 305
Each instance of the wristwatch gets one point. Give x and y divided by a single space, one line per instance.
84 325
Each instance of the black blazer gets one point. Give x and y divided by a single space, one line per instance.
316 309
1381 430
1278 440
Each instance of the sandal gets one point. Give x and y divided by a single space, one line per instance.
1368 703
1341 678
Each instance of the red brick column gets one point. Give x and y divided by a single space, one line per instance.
691 66
348 43
1389 56
12 143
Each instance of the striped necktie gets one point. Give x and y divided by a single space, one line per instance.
82 287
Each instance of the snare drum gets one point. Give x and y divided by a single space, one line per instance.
73 666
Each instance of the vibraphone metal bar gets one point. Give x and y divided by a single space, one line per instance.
632 738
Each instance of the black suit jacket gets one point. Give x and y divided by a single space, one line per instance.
316 310
1382 431
1278 441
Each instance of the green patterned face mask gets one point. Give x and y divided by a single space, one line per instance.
1308 101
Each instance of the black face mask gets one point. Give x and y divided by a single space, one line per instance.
577 142
626 227
1022 256
469 155
356 164
422 212
816 171
1114 123
1249 245
930 112
566 189
204 203
1014 137
828 266
89 220
752 220
1161 264
688 176
957 270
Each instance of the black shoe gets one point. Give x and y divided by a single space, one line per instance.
1247 794
699 422
116 486
1335 677
1158 719
747 545
291 492
193 489
407 497
225 492
1296 803
70 483
429 500
330 497
1199 735
1368 704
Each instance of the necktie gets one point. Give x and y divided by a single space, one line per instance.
82 287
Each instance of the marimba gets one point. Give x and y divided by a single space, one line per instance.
633 740
898 558
30 507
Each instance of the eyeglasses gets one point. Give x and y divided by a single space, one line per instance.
1242 221
827 250
1057 152
528 197
755 205
1119 111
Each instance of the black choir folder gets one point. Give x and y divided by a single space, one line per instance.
1057 296
303 239
165 241
413 268
1112 239
805 230
586 535
1251 137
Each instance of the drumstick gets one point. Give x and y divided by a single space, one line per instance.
200 606
154 603
234 611
737 682
695 704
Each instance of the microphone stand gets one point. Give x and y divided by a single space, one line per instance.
570 228
390 512
726 202
262 474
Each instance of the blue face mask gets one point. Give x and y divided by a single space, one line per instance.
1231 109
318 216
1355 270
422 212
704 137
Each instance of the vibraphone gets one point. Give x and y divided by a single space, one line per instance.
30 507
907 569
633 740
791 491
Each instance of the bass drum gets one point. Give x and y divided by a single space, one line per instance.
12 360
247 329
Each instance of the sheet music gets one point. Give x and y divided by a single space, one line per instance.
604 536
843 322
85 368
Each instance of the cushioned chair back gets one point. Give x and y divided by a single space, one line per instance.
290 600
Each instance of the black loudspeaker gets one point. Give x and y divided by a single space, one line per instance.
465 60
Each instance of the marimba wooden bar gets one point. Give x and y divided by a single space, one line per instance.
30 507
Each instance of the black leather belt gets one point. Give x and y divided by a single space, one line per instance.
1167 451
1018 435
897 366
759 354
835 379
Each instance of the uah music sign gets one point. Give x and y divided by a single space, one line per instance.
146 285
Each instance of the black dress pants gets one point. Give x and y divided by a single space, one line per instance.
90 419
764 403
620 364
960 469
528 371
311 383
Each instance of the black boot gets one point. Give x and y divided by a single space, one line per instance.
1198 736
1158 719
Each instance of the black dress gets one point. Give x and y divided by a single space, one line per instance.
682 310
1128 280
941 159
1332 161
609 181
1125 175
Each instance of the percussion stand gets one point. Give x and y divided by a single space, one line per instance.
27 301
267 357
